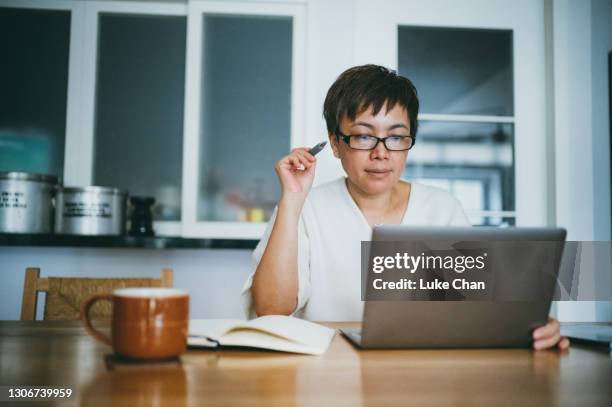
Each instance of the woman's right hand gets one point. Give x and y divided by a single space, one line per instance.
296 183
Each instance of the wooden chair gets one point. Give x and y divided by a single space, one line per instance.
64 295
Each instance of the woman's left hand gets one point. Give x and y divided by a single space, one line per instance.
549 335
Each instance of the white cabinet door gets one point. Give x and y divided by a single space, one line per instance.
486 142
244 109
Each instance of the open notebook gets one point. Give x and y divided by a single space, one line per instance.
275 332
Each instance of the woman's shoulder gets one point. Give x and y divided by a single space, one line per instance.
424 192
435 198
324 200
434 206
327 190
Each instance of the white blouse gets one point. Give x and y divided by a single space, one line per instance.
331 228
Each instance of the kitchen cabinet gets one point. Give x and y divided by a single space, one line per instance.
466 130
34 49
139 96
480 76
193 102
243 113
189 102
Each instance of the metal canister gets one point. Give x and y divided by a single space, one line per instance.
26 202
90 210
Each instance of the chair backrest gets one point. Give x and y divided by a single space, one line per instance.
64 295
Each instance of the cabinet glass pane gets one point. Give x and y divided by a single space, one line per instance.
459 71
473 161
34 52
245 115
139 107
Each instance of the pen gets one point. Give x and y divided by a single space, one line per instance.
314 151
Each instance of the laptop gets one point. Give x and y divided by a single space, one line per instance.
458 324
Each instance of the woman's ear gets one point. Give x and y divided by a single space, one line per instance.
334 145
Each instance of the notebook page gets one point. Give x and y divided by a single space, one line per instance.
264 340
296 330
212 328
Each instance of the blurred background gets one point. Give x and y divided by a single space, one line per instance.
192 102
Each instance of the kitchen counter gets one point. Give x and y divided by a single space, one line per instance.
128 242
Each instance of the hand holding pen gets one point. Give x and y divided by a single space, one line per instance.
296 170
313 151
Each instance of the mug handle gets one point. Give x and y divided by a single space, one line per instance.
85 307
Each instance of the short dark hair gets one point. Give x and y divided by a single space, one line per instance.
360 87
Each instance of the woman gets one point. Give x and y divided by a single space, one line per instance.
307 263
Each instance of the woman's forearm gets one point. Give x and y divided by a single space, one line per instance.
275 283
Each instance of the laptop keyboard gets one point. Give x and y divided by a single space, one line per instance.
353 333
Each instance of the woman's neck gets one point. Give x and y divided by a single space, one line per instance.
372 204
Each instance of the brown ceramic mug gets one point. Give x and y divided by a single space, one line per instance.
147 323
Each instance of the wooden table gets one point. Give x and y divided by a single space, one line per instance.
61 354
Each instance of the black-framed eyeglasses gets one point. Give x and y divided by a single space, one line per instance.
367 142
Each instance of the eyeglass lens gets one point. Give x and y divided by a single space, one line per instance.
365 142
